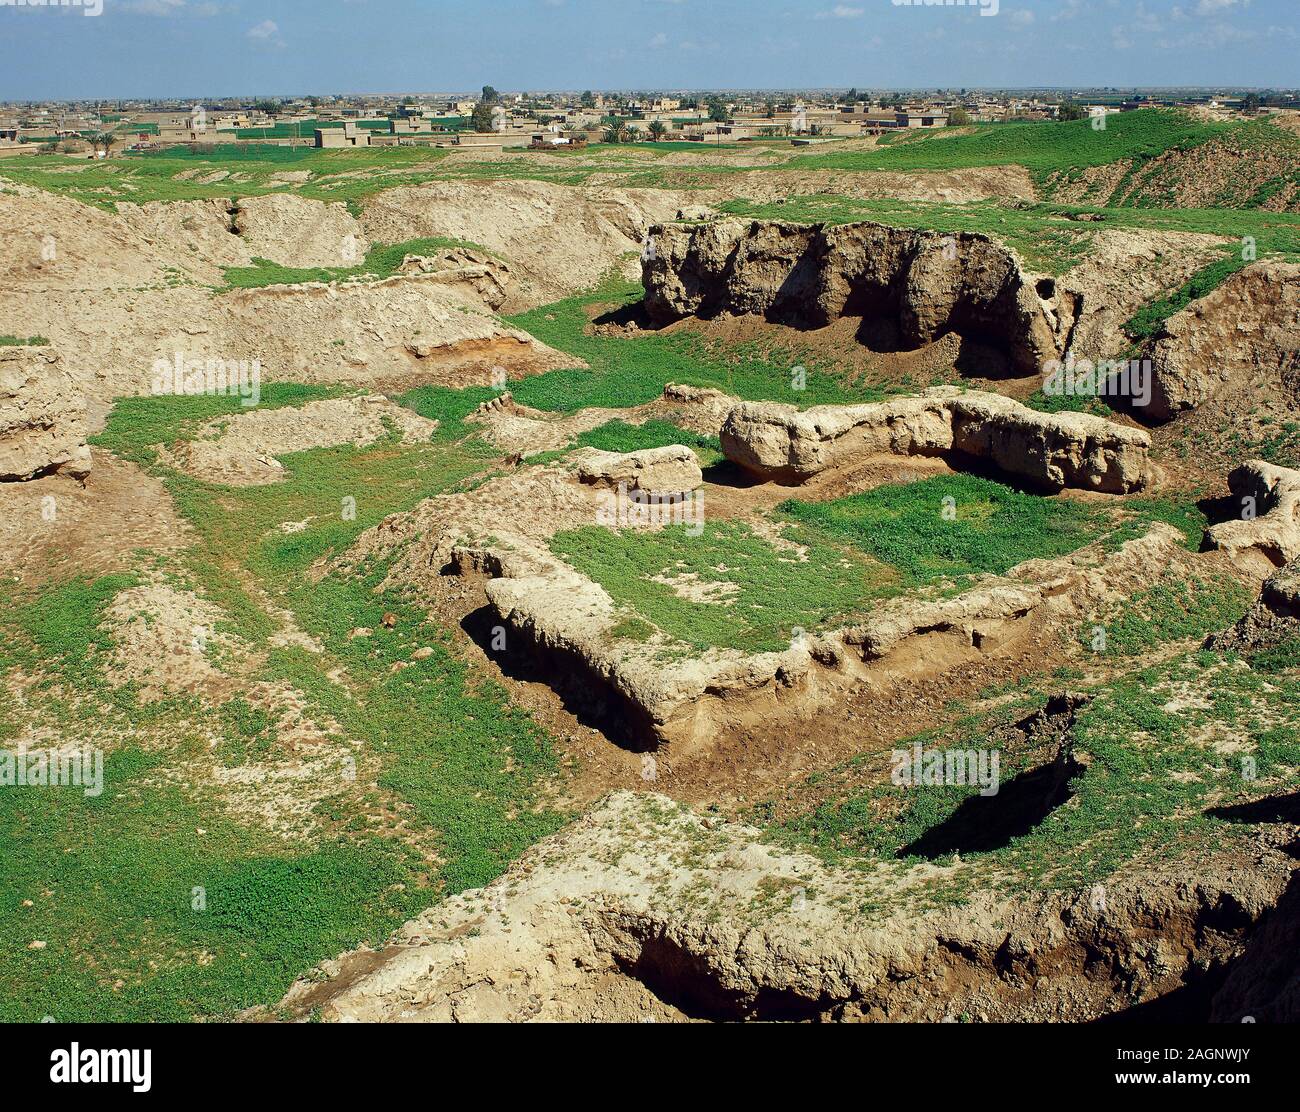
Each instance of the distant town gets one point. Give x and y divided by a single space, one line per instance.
492 119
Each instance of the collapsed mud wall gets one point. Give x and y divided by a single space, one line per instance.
42 416
1245 333
1267 535
807 276
661 699
644 910
784 444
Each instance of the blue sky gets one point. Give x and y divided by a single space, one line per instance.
190 48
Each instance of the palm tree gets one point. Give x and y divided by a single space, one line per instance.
104 139
617 132
658 129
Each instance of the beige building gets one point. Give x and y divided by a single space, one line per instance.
349 135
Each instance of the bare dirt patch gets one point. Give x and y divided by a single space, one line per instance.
95 529
242 450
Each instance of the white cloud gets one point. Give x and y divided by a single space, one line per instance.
659 40
840 11
1212 35
1209 7
267 33
1022 18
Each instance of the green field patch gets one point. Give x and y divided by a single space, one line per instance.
155 908
952 526
1153 785
1171 610
728 587
621 436
1040 147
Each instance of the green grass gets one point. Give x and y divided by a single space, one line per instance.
767 592
138 424
1171 610
858 550
16 341
1147 322
1182 513
381 261
990 527
620 436
1152 775
417 716
1042 148
115 881
454 762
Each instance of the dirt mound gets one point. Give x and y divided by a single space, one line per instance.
1244 333
168 641
644 911
54 243
673 468
393 334
1093 306
653 694
1059 450
62 244
923 283
1275 616
1263 986
299 232
42 416
948 186
559 240
484 276
202 230
242 451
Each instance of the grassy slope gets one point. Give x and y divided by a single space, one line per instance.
1041 148
463 767
1153 783
381 261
